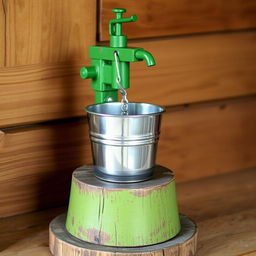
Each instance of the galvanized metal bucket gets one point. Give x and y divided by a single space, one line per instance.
124 146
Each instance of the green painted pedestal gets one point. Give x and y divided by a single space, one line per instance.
123 215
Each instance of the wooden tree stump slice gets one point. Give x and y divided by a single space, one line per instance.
62 243
123 214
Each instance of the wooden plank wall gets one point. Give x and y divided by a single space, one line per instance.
2 34
42 46
189 69
196 141
46 43
172 17
206 82
48 31
198 68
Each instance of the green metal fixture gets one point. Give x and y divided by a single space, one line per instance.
121 213
103 71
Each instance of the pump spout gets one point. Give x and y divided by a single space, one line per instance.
144 55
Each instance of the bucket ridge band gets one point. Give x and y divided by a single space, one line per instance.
124 141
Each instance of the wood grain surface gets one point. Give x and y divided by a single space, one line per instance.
197 141
190 69
41 92
37 163
46 44
209 140
61 243
198 68
222 206
224 209
2 33
48 31
173 17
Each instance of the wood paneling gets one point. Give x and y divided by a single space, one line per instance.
173 17
2 33
46 44
31 161
209 140
188 69
49 31
193 69
42 92
198 141
222 207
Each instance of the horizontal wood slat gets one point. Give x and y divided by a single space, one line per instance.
42 92
195 142
2 33
189 69
48 31
31 161
175 17
209 140
196 69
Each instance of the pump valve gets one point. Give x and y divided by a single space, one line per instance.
115 26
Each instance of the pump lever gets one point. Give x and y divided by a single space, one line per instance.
115 25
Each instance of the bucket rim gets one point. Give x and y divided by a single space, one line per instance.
161 110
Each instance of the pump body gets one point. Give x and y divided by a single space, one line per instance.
103 68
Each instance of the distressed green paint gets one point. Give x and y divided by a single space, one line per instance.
123 217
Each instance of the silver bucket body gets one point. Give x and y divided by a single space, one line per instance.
124 146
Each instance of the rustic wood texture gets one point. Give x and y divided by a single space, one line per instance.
209 140
48 31
224 209
222 206
197 141
150 220
46 44
61 243
37 164
164 18
196 69
2 33
42 92
188 70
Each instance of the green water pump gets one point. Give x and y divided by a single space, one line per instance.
120 218
103 70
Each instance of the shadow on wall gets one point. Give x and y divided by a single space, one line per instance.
69 148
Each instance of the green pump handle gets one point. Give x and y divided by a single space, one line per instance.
115 28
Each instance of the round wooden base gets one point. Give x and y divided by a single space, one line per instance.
64 244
